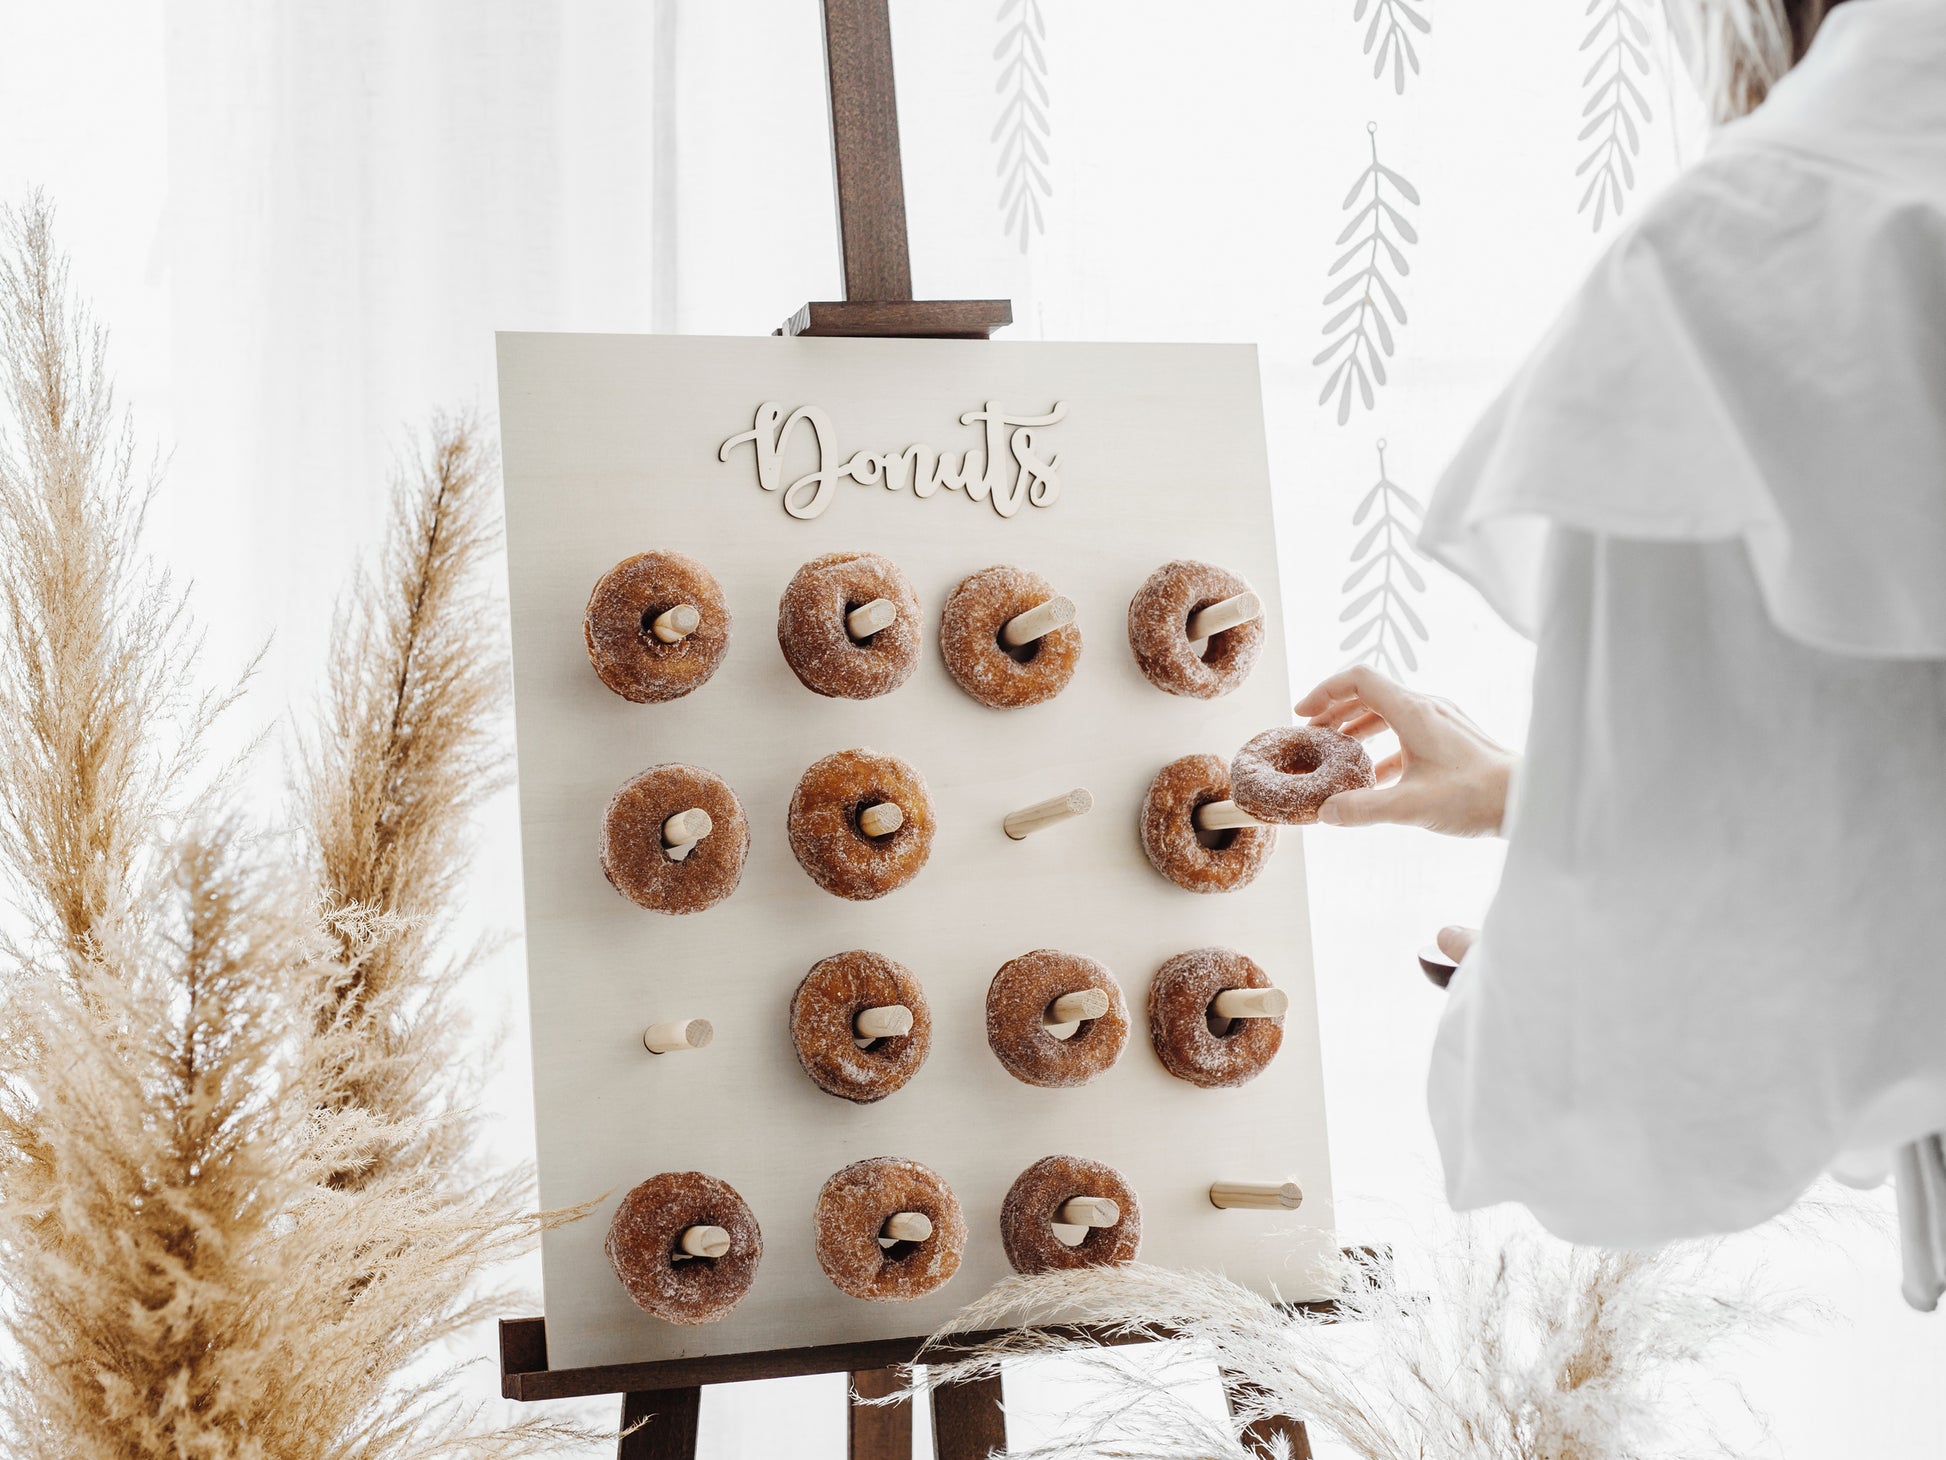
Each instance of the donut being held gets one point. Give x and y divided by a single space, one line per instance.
622 644
1158 631
642 1247
1286 774
853 1209
834 848
635 859
1031 1211
1180 1019
1018 1002
969 639
817 641
823 1010
1196 860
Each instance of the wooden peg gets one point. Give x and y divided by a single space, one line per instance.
704 1241
1224 816
675 624
678 1034
881 819
1025 822
1063 1017
1088 1211
1250 1004
1038 622
686 828
1254 1197
868 618
887 1021
1225 615
907 1227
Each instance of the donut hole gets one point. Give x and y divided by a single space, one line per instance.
897 1250
1219 839
1298 758
1220 1027
1025 654
852 605
857 810
649 616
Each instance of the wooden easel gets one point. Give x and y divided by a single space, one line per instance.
665 1397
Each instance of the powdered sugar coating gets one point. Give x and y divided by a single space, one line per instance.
1158 631
1286 774
819 647
969 638
856 1203
637 864
1017 1001
642 1238
824 831
830 997
1179 1019
1027 1216
1232 859
630 659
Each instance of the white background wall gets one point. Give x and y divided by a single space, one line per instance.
305 219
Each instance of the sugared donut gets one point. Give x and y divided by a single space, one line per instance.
1018 1001
1029 1214
1199 861
638 863
830 997
1288 773
623 646
817 642
834 848
643 1239
1183 1026
1158 631
969 638
853 1209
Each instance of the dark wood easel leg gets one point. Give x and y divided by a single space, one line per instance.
967 1421
880 1431
670 1433
1259 1435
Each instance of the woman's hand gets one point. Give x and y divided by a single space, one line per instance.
1445 776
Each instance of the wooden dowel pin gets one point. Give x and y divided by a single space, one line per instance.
1038 622
1225 615
1088 1211
1250 1004
1063 1017
678 1034
1025 822
704 1242
675 624
907 1227
1224 816
681 832
887 1021
881 819
1250 1196
868 618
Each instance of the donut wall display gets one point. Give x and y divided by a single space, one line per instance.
913 887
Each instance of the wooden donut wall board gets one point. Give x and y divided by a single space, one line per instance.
614 445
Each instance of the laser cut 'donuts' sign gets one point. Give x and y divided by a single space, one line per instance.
1006 472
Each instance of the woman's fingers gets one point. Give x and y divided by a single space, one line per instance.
1369 807
1390 768
1456 942
1360 682
1365 726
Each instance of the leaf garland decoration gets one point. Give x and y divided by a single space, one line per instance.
1384 578
1359 329
1388 38
1022 131
1615 108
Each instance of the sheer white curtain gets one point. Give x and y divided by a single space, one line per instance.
305 220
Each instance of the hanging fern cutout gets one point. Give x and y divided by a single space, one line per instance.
1022 131
1615 107
1388 38
1385 578
1365 304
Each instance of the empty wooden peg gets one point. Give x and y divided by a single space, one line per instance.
1038 622
1251 1196
880 819
704 1241
1025 822
1089 1211
907 1227
1063 1017
868 618
1224 816
678 1034
1225 615
676 623
1250 1004
887 1021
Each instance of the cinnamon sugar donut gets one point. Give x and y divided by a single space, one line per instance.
1195 860
642 1247
1017 1004
818 645
1028 1215
637 862
855 1205
1288 773
1181 1020
830 844
1158 631
627 655
833 994
969 638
